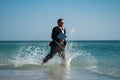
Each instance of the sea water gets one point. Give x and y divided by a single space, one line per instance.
85 60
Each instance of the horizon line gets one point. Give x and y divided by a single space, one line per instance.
51 40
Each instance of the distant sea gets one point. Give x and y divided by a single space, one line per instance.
85 60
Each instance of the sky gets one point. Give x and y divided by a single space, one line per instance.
84 19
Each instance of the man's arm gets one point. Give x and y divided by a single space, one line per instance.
55 33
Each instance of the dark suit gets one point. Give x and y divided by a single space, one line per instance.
54 45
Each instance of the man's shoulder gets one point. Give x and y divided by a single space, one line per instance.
56 28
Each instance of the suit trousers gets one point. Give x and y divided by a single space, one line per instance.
55 49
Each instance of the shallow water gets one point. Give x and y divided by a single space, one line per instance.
54 73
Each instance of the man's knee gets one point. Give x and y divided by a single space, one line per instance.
49 56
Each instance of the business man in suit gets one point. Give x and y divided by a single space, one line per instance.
57 44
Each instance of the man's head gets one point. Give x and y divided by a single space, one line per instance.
60 22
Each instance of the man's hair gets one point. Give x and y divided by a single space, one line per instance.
60 19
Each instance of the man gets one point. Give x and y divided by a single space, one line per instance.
58 42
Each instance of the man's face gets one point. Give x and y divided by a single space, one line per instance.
61 23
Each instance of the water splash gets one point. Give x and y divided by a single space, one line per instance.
78 57
70 58
29 55
72 32
34 55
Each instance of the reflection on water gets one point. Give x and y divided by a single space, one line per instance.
58 73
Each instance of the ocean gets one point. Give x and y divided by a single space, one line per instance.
85 60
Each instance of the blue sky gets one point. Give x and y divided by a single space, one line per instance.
84 19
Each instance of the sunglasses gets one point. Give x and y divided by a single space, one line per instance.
61 22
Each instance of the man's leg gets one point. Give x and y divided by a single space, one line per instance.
50 55
62 55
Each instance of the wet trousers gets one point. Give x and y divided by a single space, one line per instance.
55 49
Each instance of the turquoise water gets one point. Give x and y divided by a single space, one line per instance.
96 57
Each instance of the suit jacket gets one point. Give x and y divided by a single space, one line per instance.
55 32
